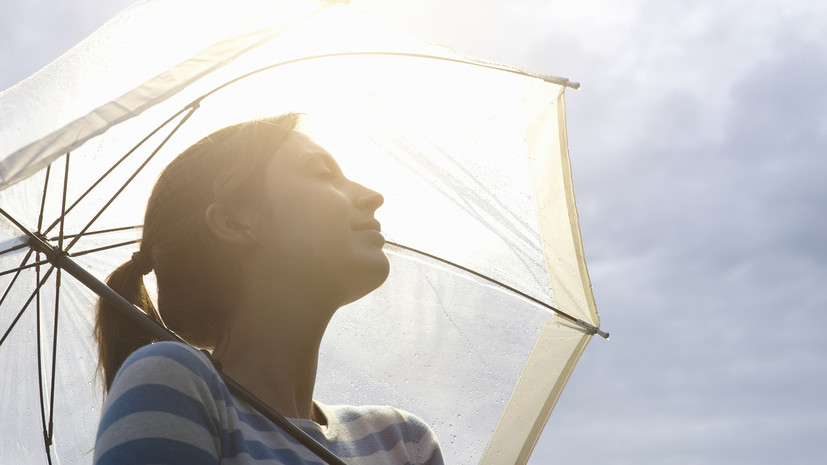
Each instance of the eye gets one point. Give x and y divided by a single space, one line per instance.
320 167
324 174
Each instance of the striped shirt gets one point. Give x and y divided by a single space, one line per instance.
168 405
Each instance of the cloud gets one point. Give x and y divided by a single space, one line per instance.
704 230
36 32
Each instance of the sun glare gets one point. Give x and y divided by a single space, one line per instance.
420 131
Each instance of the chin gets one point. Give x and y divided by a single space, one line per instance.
367 278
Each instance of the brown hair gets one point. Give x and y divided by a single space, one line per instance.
197 279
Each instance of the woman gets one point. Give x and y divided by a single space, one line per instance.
256 239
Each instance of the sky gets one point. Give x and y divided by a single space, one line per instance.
699 151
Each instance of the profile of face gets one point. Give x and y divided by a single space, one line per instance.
314 225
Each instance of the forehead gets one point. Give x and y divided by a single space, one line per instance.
298 146
293 157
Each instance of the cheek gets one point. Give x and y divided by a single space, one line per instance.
305 225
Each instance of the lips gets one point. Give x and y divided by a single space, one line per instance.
371 224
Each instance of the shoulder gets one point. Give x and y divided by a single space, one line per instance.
163 376
177 352
388 427
377 416
170 363
166 401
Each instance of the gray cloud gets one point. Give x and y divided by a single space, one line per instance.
36 32
707 253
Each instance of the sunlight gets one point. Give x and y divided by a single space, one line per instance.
400 125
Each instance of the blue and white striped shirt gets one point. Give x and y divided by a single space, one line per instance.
168 405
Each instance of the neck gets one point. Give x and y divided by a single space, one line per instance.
272 349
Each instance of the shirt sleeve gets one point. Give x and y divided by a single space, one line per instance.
162 409
427 447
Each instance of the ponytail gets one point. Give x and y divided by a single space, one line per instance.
117 335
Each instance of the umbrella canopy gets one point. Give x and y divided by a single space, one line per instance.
488 306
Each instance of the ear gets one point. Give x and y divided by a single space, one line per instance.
228 228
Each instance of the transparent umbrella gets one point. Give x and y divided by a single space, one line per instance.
488 306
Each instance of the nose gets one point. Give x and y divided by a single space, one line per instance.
368 199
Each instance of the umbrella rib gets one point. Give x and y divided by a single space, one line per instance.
66 236
39 324
38 338
14 248
76 254
50 431
47 441
24 267
115 165
17 273
26 305
192 108
508 69
63 202
43 198
105 247
92 233
592 329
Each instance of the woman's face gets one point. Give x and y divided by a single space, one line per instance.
318 222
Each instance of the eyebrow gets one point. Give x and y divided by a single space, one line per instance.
325 157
